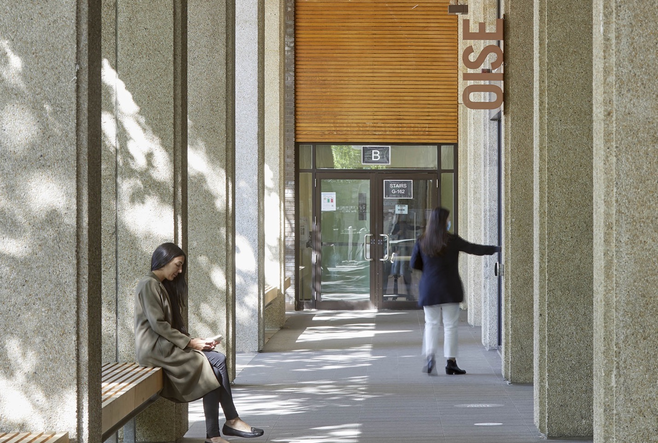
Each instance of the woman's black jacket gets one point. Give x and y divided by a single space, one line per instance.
440 282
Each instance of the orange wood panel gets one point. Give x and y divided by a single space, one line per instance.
368 70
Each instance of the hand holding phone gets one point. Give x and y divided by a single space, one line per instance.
216 338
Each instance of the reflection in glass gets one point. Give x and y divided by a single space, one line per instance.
345 221
402 157
305 237
447 157
448 195
305 157
404 222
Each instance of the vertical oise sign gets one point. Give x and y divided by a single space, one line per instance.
485 75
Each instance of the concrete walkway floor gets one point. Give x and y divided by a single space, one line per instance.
355 377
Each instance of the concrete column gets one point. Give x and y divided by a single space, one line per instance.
563 217
489 202
289 149
147 106
274 185
479 213
50 193
474 184
249 169
210 166
625 227
517 181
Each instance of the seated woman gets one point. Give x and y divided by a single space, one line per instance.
191 367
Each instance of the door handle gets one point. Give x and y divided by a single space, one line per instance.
388 244
366 247
499 269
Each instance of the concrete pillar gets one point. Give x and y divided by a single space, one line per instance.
517 346
274 185
289 150
210 165
145 147
50 194
563 217
625 227
249 169
480 180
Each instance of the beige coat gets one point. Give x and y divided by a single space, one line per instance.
188 374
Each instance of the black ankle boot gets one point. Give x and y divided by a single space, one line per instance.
452 368
431 364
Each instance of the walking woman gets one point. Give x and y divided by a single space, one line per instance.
191 367
436 253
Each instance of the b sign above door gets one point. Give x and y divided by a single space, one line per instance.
375 155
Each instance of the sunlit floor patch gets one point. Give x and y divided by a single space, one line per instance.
347 433
488 424
480 405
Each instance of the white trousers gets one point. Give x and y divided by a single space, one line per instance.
433 315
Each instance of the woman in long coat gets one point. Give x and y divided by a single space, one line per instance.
191 367
436 253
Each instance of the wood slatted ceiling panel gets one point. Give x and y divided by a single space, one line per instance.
375 71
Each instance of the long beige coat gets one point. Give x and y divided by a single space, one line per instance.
188 374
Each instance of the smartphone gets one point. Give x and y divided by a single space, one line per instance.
217 338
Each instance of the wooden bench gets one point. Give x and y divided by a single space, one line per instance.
127 390
34 437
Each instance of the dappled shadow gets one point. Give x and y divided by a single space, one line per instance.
38 224
38 216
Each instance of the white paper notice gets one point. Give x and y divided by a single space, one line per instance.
328 201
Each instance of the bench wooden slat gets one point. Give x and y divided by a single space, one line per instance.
34 437
125 387
120 382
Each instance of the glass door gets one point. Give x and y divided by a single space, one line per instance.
343 262
366 229
405 203
360 209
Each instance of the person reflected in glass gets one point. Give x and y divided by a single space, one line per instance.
436 254
191 367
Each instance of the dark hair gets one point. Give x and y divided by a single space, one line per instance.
435 238
177 288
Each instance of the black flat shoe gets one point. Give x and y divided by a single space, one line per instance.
453 369
255 432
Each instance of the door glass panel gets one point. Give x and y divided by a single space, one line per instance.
448 195
401 157
447 157
345 225
305 240
305 156
404 219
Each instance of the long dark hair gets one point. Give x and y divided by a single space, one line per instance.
435 238
177 288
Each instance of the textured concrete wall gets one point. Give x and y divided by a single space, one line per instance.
563 217
249 169
625 227
210 166
50 217
517 346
